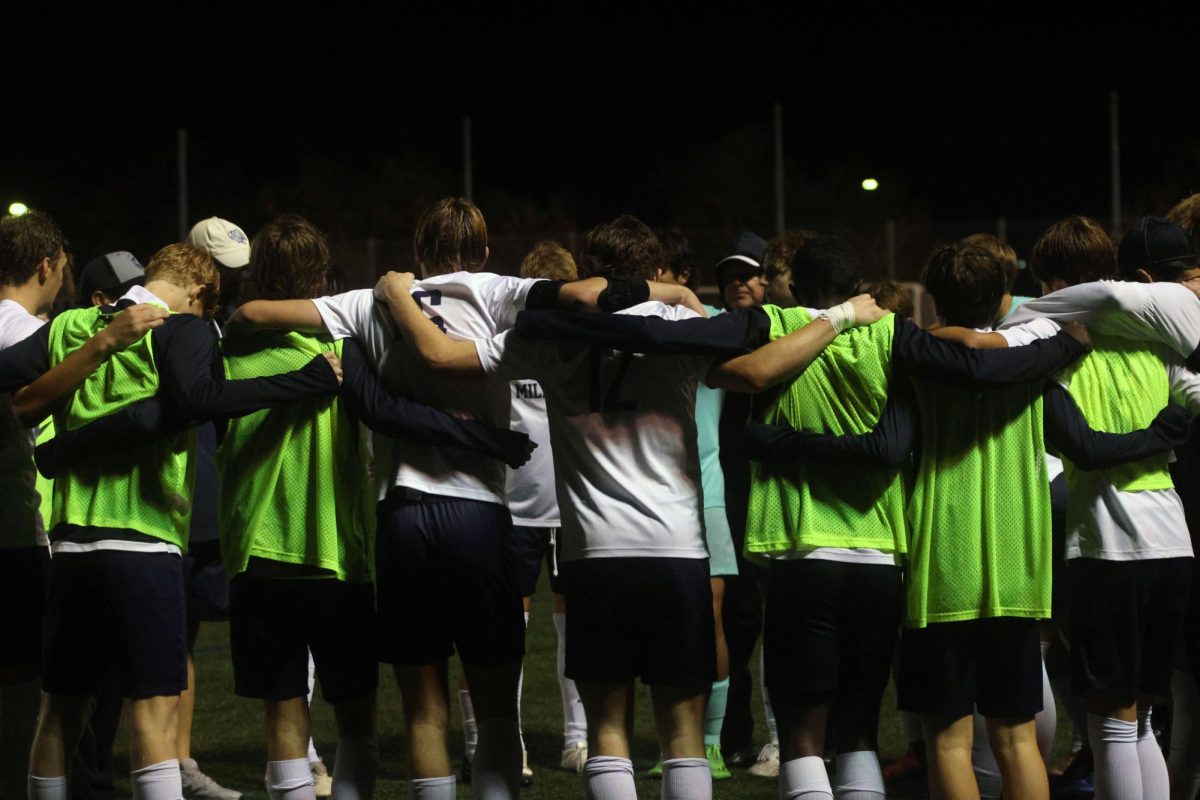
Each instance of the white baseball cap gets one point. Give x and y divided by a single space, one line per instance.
222 240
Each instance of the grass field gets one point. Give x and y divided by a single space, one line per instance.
229 745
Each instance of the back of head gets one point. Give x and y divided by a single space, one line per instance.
289 259
825 271
1158 247
678 258
26 241
625 246
999 249
967 284
891 296
451 236
185 266
1186 214
549 260
1073 250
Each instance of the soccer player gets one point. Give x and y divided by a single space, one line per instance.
632 540
120 519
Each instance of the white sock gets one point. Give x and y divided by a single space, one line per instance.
1046 720
433 788
496 768
686 779
1150 758
312 682
356 767
1184 764
804 779
47 788
912 727
159 781
290 780
470 729
609 778
1115 748
574 720
18 720
768 713
520 690
859 776
983 760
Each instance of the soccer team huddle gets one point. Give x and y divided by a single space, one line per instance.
379 475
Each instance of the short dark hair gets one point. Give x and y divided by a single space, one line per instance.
967 284
1001 250
451 236
1186 214
891 296
1074 250
623 246
824 270
289 259
777 256
677 255
25 241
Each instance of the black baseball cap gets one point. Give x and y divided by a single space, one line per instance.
111 273
742 256
1153 242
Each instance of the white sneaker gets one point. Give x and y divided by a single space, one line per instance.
322 780
767 765
526 772
198 786
574 757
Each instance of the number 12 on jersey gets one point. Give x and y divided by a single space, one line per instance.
435 299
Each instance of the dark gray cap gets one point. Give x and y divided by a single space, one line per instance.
111 273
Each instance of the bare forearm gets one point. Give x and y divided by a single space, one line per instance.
435 348
38 400
275 315
774 363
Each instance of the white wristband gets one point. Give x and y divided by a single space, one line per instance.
840 316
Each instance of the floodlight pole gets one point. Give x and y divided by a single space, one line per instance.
181 162
1114 157
466 143
779 218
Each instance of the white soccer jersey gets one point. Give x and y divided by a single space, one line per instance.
19 499
1102 521
466 306
625 457
531 496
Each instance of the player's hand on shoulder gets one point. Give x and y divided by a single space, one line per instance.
1079 333
394 284
132 324
866 312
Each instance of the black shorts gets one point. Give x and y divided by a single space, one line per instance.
23 592
831 625
206 587
950 668
1125 619
640 617
533 546
275 622
111 609
447 578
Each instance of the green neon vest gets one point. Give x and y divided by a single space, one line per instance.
147 489
1120 387
979 516
796 507
294 485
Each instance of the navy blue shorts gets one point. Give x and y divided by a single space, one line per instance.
110 609
1126 617
831 625
275 622
447 578
993 664
533 546
640 617
23 592
206 586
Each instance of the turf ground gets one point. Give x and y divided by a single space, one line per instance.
227 738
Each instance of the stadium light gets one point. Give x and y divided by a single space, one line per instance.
870 184
18 209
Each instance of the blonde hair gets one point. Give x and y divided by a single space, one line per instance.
451 236
183 265
1186 214
549 260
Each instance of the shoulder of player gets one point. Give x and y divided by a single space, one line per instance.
654 308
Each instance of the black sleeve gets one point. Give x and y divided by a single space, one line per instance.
543 294
132 426
401 418
186 347
25 361
923 355
887 445
1069 433
726 335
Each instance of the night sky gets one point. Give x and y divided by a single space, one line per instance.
354 118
